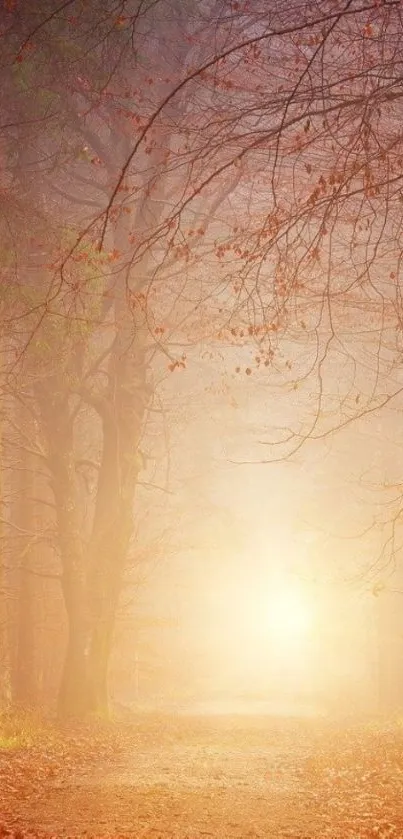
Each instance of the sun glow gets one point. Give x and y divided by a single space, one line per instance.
262 635
289 615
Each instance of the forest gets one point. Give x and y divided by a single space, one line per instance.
201 381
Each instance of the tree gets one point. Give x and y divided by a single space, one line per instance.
4 645
103 338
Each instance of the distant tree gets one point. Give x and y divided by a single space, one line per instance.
5 692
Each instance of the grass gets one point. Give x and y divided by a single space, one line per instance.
21 728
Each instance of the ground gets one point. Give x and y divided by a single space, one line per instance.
187 777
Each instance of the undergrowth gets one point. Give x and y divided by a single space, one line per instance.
20 728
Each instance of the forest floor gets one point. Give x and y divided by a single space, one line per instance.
171 777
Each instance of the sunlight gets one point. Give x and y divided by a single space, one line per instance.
261 637
289 615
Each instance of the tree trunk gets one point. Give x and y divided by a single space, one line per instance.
4 635
104 586
98 663
122 413
25 685
25 682
74 695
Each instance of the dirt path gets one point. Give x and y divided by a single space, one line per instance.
223 777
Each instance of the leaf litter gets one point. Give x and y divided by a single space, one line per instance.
172 777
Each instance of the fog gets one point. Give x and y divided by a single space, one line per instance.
282 593
201 377
201 392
